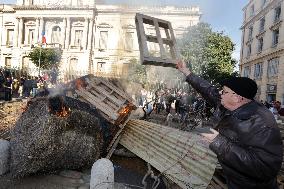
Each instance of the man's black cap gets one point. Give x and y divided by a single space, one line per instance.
243 86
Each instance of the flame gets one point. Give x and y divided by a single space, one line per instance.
65 111
124 110
57 107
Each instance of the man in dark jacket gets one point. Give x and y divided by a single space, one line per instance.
248 144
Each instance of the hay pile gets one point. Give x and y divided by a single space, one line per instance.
42 142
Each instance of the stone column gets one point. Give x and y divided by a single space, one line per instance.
36 31
85 32
41 23
102 174
16 33
63 36
67 40
90 34
20 36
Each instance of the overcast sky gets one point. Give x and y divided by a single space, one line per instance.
222 15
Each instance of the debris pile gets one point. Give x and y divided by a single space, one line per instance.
45 139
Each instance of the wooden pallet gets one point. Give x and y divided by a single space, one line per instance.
112 102
168 53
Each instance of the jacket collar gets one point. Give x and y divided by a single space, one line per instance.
246 111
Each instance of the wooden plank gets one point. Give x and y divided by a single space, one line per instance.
176 53
102 107
107 95
94 101
154 39
171 45
120 92
141 35
106 104
160 41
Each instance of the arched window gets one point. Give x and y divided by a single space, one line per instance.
56 34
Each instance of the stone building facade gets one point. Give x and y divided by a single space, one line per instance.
262 54
94 38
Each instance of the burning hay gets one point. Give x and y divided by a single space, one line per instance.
54 134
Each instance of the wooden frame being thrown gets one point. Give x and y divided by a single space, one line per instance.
168 52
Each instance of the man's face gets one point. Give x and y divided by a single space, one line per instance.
228 98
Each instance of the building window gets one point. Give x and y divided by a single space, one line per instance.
275 37
8 61
78 38
262 25
249 50
129 41
260 44
252 10
31 36
250 33
56 34
101 67
247 71
277 11
103 40
272 69
9 41
258 71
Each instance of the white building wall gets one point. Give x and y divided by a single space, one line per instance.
117 20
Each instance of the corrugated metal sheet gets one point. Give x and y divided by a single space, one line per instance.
183 157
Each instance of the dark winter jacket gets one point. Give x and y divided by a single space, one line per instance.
249 145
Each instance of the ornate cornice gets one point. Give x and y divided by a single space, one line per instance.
34 7
271 54
276 25
260 13
260 34
164 10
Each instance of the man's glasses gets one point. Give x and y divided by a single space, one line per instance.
222 92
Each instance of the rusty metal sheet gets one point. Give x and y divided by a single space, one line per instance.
183 157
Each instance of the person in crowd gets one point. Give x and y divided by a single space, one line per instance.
278 109
178 102
169 99
15 88
22 87
2 79
28 87
143 94
34 84
247 140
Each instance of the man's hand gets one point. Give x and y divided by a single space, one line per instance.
210 136
182 67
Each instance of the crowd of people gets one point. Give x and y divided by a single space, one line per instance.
275 107
12 86
180 102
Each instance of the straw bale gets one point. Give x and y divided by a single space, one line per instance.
43 142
